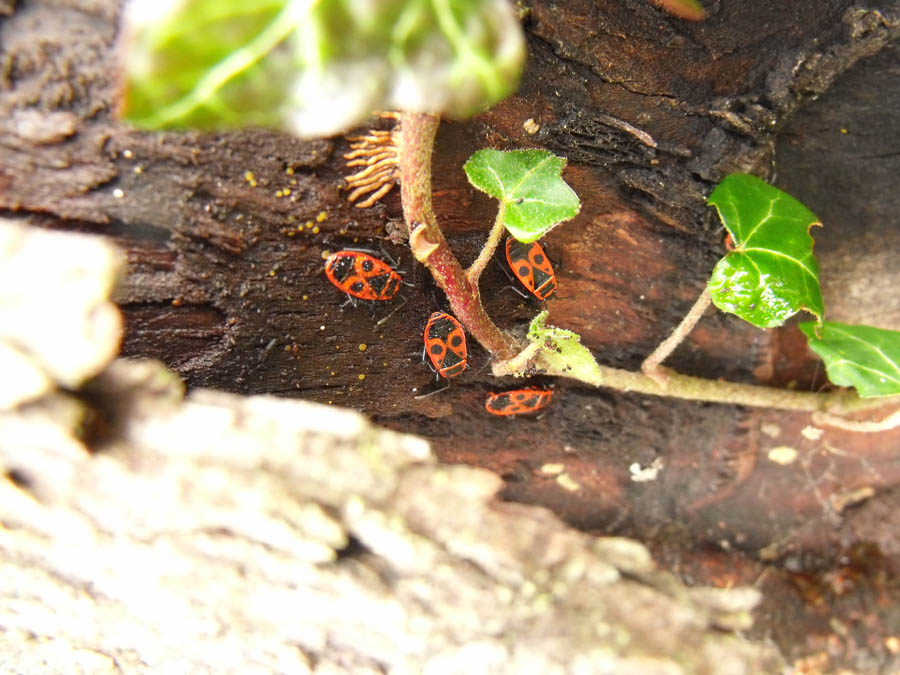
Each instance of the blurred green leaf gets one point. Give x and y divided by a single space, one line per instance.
315 67
772 273
529 185
858 356
205 63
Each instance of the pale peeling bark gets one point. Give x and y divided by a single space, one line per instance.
144 532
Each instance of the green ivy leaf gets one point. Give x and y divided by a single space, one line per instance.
772 274
858 356
533 196
316 67
562 352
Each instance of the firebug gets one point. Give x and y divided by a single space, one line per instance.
530 265
445 344
518 401
361 275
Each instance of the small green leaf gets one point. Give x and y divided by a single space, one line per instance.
562 352
772 274
533 196
858 356
316 67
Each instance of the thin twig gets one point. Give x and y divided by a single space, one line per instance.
651 365
477 267
718 391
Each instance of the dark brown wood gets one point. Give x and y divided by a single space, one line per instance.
225 279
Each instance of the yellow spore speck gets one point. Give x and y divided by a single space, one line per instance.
783 454
278 193
812 433
843 130
286 192
362 347
323 215
271 273
139 169
326 254
289 171
249 177
565 481
315 230
333 373
362 376
309 224
306 297
127 154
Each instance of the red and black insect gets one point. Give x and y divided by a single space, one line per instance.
362 276
530 265
445 344
518 401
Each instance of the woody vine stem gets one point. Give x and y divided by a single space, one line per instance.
513 357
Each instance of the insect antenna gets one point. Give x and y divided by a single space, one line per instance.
392 312
432 393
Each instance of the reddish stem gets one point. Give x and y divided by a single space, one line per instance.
427 242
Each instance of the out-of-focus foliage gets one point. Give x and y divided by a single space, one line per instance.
315 67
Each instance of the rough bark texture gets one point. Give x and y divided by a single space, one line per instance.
224 278
221 534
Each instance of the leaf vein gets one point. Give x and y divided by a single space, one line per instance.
866 345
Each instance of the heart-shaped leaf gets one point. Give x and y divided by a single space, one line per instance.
772 273
533 196
864 357
315 67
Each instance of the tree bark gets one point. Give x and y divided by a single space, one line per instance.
225 534
224 277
